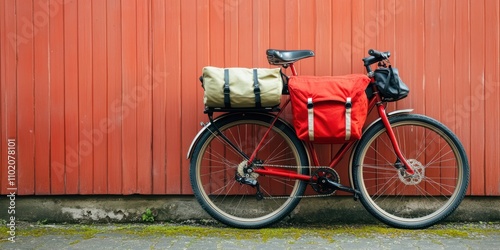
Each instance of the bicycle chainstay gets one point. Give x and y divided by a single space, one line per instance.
299 167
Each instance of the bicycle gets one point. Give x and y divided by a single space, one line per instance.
249 169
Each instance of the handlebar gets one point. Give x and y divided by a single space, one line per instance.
379 54
375 57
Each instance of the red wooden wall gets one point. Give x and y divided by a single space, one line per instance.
102 97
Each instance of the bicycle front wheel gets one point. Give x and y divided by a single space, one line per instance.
215 165
420 200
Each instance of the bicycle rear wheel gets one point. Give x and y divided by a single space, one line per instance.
432 193
215 165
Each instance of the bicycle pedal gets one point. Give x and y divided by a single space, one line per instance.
341 187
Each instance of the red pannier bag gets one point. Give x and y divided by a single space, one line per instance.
329 109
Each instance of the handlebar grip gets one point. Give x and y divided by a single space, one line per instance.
375 56
379 54
373 52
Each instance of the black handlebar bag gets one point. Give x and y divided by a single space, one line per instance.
390 85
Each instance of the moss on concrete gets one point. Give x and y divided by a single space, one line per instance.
291 233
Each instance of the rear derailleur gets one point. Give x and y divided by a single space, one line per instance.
246 175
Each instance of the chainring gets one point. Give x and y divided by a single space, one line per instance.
319 184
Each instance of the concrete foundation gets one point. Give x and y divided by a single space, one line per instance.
116 209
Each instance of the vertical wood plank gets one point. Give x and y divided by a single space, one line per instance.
432 84
406 36
373 34
292 25
230 13
217 36
71 112
323 38
447 74
85 85
25 97
42 88
270 33
492 96
245 31
341 60
190 123
357 35
306 35
447 67
418 87
41 23
291 16
342 45
57 138
99 98
129 104
172 79
202 59
3 92
476 93
114 98
462 75
144 99
323 50
260 33
9 41
159 43
388 14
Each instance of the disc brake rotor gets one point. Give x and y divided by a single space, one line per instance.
416 178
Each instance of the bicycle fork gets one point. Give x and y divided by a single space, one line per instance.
401 161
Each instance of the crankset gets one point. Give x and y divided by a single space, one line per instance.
320 180
327 181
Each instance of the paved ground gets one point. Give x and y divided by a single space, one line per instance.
195 236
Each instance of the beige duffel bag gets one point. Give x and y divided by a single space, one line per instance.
242 87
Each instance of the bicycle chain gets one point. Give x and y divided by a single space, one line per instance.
288 166
300 196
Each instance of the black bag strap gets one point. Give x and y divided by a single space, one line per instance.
256 89
389 80
227 100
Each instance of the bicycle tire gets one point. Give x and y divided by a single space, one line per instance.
214 164
427 197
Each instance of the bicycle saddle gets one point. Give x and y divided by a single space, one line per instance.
275 56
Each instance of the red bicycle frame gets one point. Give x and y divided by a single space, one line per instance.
375 101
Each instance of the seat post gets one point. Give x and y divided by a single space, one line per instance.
292 67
